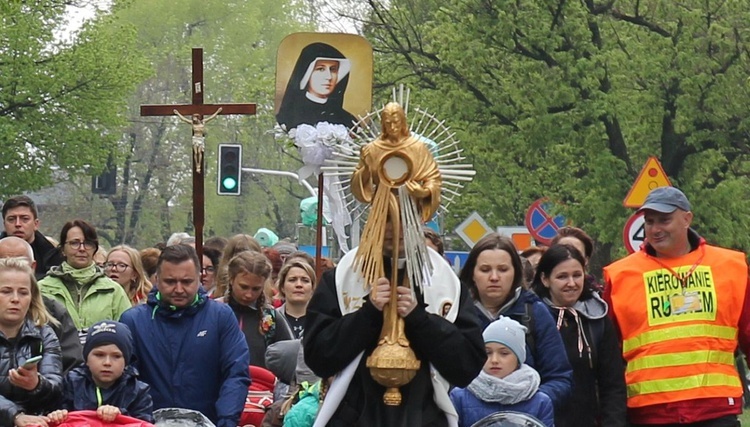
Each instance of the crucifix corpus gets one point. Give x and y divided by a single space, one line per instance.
193 114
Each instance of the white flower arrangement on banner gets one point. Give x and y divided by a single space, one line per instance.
315 143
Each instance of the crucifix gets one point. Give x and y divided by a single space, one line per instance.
193 114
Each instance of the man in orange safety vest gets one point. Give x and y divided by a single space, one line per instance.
681 308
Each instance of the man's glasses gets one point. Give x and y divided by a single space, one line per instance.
76 244
116 266
208 270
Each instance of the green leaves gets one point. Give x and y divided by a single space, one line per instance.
568 99
60 103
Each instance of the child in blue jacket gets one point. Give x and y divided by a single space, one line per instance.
505 383
106 383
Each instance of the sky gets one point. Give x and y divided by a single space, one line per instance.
78 15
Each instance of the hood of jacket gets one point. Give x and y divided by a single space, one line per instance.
591 308
57 272
515 296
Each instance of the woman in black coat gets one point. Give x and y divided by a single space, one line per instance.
31 389
315 92
599 394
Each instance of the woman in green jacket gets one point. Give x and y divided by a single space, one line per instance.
79 284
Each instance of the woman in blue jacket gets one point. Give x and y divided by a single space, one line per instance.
493 273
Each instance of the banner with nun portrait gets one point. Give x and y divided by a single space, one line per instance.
323 77
323 87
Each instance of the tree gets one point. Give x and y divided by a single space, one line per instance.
61 102
239 41
567 100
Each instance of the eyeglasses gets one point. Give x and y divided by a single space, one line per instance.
208 270
76 244
116 266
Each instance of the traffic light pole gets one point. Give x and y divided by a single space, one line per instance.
319 195
283 173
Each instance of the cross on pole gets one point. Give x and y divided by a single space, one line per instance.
196 110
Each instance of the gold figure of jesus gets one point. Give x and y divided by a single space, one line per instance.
394 159
199 135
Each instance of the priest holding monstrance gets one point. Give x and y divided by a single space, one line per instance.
391 324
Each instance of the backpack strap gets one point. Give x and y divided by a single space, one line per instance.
527 320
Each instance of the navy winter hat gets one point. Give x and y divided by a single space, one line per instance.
109 332
665 200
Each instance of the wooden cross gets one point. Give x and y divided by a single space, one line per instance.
196 111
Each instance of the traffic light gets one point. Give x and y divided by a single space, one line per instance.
230 169
106 183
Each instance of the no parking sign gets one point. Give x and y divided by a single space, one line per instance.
540 222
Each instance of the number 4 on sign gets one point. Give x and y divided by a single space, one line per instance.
634 233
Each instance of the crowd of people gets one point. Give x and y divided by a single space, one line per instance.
125 332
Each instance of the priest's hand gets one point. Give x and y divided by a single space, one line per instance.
406 301
380 293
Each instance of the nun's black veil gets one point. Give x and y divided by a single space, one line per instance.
291 112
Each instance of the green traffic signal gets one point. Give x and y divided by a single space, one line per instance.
230 169
229 183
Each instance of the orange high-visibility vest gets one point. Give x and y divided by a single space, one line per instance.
679 342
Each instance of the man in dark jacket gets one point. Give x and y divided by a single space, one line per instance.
189 348
21 219
66 331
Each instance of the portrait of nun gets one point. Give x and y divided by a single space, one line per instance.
316 88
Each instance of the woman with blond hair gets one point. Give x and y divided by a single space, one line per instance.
236 244
124 266
296 285
249 274
27 388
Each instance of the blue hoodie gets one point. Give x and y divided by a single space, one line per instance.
194 357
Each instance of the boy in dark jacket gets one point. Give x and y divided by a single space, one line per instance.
107 383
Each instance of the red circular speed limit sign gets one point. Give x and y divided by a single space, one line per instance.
634 232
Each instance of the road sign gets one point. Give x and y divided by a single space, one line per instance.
651 176
457 259
520 235
634 232
540 222
473 229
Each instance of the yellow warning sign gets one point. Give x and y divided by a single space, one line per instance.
651 176
473 229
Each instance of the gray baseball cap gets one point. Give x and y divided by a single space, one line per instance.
665 200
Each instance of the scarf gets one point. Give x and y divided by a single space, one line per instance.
164 309
82 276
518 386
